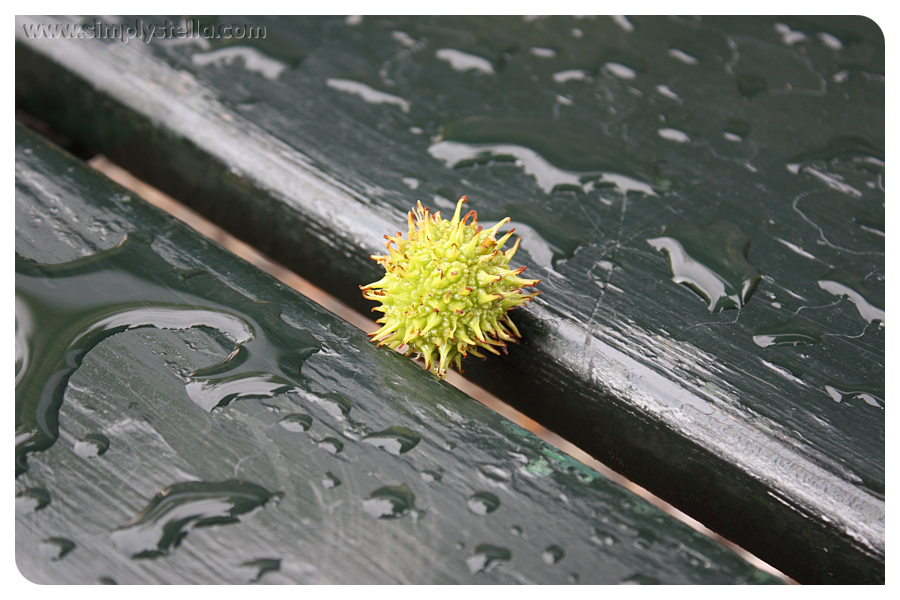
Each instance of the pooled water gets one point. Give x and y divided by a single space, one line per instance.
82 302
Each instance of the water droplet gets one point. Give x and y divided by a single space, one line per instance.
91 445
495 473
584 476
645 539
31 500
673 135
173 512
573 578
552 555
603 538
56 548
785 367
841 283
463 61
871 221
430 476
515 530
711 260
485 557
751 84
619 70
639 579
571 74
795 331
297 422
395 440
336 405
390 502
847 164
331 445
330 481
252 571
483 503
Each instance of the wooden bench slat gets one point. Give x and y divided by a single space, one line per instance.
306 456
617 357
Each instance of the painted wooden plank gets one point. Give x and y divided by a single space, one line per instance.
181 417
703 201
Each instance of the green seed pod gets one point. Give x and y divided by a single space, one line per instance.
447 289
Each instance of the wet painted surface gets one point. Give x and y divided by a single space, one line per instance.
309 457
703 200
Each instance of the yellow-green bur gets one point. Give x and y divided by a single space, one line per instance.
447 289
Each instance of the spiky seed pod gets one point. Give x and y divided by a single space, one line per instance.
447 289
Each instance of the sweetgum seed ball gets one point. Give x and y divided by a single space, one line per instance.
447 289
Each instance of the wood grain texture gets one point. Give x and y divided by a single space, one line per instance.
716 133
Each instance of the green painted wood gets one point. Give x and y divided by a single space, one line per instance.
702 198
182 417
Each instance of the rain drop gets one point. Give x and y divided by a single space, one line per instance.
91 445
552 555
485 557
394 440
391 502
296 422
483 503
